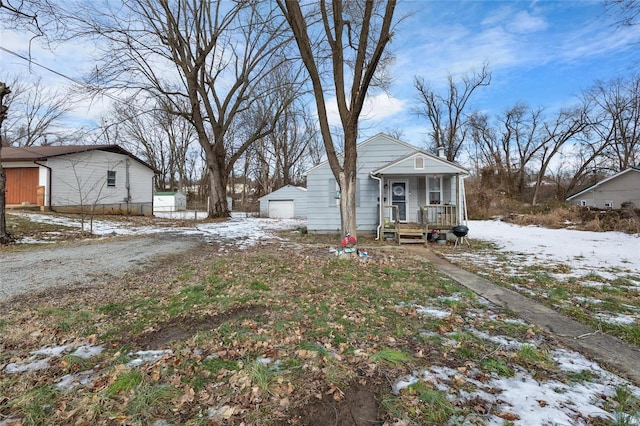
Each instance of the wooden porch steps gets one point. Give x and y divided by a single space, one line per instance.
411 233
412 240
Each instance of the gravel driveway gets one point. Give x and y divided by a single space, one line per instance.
85 262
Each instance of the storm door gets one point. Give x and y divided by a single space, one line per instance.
399 198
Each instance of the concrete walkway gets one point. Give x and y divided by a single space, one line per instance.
610 352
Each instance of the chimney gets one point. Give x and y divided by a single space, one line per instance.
441 152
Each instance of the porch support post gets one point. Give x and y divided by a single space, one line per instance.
463 200
380 207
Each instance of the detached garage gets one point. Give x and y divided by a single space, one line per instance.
288 202
102 179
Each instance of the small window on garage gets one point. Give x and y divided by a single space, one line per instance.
111 178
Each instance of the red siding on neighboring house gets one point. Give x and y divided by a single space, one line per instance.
22 185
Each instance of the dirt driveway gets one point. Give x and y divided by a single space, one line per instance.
82 263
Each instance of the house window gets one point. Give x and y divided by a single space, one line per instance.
111 178
434 191
419 162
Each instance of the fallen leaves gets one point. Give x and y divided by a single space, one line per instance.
508 416
313 333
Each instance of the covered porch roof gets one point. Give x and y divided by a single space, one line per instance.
419 163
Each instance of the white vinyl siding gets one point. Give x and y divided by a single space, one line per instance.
372 154
79 179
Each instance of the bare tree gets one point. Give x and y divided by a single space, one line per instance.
507 147
626 12
164 140
86 190
353 36
281 158
617 114
566 127
524 142
36 112
12 15
206 59
447 114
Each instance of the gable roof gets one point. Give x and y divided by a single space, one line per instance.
365 143
286 188
412 155
597 184
40 153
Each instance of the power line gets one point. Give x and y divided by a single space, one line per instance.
31 61
78 82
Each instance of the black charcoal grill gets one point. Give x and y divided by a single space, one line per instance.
461 232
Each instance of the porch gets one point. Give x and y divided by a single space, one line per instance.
431 217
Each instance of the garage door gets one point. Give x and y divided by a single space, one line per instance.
22 185
281 209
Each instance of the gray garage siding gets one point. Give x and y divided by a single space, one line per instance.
289 192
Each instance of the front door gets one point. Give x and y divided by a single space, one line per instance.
399 198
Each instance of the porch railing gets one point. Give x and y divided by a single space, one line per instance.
439 216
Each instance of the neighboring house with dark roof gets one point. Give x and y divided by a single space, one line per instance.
612 192
401 191
105 179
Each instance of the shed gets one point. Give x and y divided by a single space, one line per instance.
288 202
172 201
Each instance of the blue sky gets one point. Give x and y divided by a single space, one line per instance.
543 53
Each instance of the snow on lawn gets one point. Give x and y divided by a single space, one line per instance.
530 400
522 398
239 231
543 259
586 253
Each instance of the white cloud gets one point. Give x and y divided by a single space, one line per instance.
376 108
381 106
523 23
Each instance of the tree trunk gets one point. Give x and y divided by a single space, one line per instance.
348 205
347 180
218 207
4 235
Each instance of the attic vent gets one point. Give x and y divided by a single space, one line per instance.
419 162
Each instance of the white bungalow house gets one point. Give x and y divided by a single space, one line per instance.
612 192
104 179
402 192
